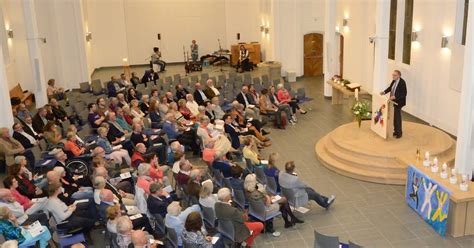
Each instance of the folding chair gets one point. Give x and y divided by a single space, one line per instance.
171 237
260 173
325 241
239 198
209 216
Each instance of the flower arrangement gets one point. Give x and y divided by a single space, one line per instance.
361 111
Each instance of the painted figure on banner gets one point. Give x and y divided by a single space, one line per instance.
427 201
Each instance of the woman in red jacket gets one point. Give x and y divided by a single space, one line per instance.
285 98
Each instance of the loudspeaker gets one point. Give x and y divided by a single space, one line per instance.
238 36
159 36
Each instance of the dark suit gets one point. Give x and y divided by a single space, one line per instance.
227 212
38 124
198 97
25 142
158 205
181 94
112 91
241 100
135 81
29 131
400 98
149 76
114 131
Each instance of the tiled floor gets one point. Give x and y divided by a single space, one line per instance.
372 215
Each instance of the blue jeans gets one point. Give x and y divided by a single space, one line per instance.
315 196
43 238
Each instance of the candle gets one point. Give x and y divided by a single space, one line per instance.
453 172
356 94
435 161
445 166
427 155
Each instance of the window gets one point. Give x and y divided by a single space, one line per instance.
464 22
392 29
408 23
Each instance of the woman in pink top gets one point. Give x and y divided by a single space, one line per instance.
144 180
157 172
284 97
11 183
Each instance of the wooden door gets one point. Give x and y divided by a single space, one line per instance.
313 54
341 55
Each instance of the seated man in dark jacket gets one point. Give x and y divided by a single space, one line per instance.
26 140
150 75
243 229
158 200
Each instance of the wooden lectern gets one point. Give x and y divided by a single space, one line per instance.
382 115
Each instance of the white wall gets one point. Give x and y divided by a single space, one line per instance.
358 52
428 76
18 67
289 21
129 28
242 16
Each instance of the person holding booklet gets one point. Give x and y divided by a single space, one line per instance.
257 192
116 153
26 236
77 217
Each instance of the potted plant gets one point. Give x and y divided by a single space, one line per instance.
361 111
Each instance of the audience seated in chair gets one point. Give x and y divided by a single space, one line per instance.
290 180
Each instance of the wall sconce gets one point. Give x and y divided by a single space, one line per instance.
267 29
345 22
10 33
444 42
262 28
414 36
88 36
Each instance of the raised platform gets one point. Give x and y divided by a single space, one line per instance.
361 154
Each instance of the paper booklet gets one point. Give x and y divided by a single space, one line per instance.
35 200
80 201
35 229
214 240
276 198
302 210
125 175
168 189
117 147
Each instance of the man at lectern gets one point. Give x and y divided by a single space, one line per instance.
398 94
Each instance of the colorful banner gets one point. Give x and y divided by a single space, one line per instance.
428 198
379 123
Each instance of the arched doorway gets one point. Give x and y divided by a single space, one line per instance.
313 54
341 54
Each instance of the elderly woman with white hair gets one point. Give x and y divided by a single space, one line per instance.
145 104
216 107
124 228
256 192
100 183
175 218
135 109
206 198
204 132
116 153
284 97
70 186
144 180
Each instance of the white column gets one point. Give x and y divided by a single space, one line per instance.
465 135
34 51
382 21
329 56
5 105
